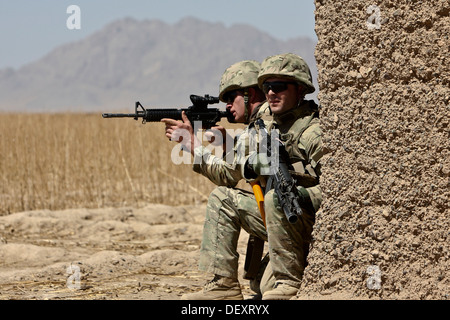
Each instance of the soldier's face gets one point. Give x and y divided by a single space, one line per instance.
236 105
281 94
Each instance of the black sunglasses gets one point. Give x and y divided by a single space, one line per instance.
230 96
276 86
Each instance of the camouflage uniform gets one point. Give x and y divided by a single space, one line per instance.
289 243
299 129
229 209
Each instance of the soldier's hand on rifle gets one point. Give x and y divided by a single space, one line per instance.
304 199
181 132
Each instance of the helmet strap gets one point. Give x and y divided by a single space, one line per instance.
302 96
247 107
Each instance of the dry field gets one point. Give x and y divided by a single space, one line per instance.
58 161
98 200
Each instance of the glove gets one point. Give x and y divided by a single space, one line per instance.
258 164
304 199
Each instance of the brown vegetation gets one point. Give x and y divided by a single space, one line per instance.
79 192
58 161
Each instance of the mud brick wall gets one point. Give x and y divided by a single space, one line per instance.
383 230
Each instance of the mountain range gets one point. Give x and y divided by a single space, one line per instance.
150 61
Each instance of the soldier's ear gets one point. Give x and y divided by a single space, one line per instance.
256 95
301 90
251 95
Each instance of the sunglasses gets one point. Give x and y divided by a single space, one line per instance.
230 96
276 86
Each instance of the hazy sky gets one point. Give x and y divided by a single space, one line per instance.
31 28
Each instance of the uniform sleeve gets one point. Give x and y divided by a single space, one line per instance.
228 171
311 142
216 169
224 171
315 194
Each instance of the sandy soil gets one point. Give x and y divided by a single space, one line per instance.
149 253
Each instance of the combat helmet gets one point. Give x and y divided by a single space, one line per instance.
290 66
240 75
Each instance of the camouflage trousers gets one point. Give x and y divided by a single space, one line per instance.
228 211
288 243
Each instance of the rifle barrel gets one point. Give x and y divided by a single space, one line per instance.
119 115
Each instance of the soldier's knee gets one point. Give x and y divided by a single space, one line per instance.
268 201
218 194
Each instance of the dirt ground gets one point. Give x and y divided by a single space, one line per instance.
149 253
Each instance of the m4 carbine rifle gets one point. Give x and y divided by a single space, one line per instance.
199 111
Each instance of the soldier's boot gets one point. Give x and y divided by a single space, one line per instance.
219 288
282 291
